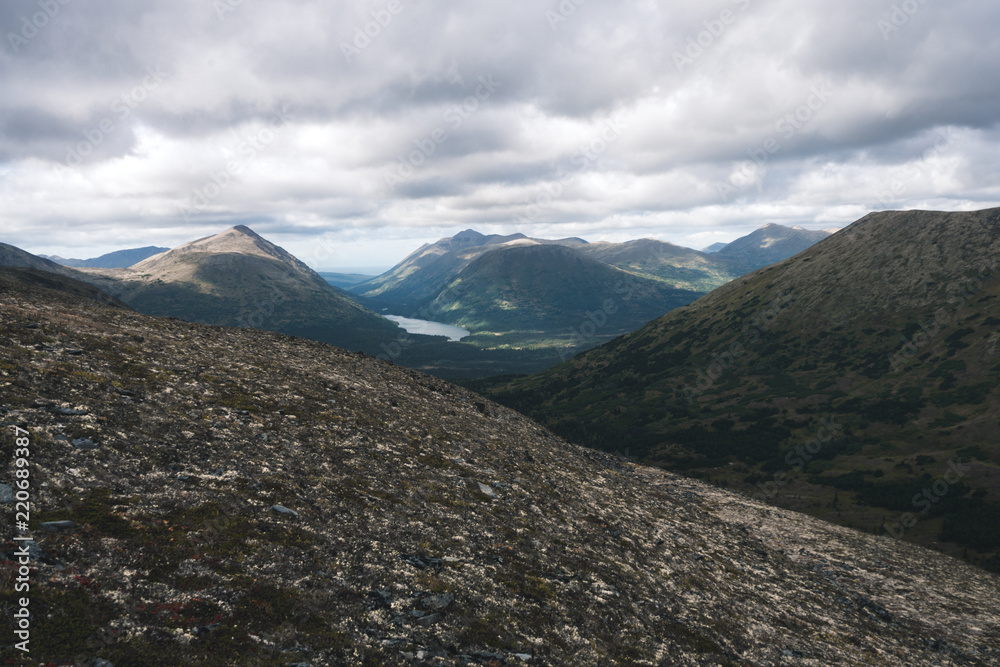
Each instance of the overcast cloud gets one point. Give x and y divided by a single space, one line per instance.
125 124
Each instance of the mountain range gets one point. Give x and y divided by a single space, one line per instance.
238 278
119 259
854 381
519 293
534 303
550 287
204 495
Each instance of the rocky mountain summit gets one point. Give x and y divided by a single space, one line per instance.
223 496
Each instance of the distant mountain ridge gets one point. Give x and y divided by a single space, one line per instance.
235 278
767 245
681 267
118 259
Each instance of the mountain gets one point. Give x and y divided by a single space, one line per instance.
119 259
767 245
552 289
715 247
23 279
238 278
224 496
848 381
13 256
681 267
423 274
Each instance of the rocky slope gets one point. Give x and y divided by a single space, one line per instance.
877 349
213 496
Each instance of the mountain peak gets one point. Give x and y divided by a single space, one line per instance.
468 234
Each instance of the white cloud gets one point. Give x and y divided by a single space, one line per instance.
688 130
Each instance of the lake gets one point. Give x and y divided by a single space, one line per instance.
429 328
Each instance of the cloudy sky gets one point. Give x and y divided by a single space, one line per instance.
351 132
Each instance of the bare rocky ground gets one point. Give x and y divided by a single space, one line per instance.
238 497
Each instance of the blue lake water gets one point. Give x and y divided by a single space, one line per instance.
429 328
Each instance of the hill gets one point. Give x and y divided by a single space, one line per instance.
680 267
767 245
238 278
118 259
552 289
876 350
222 496
23 280
12 256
